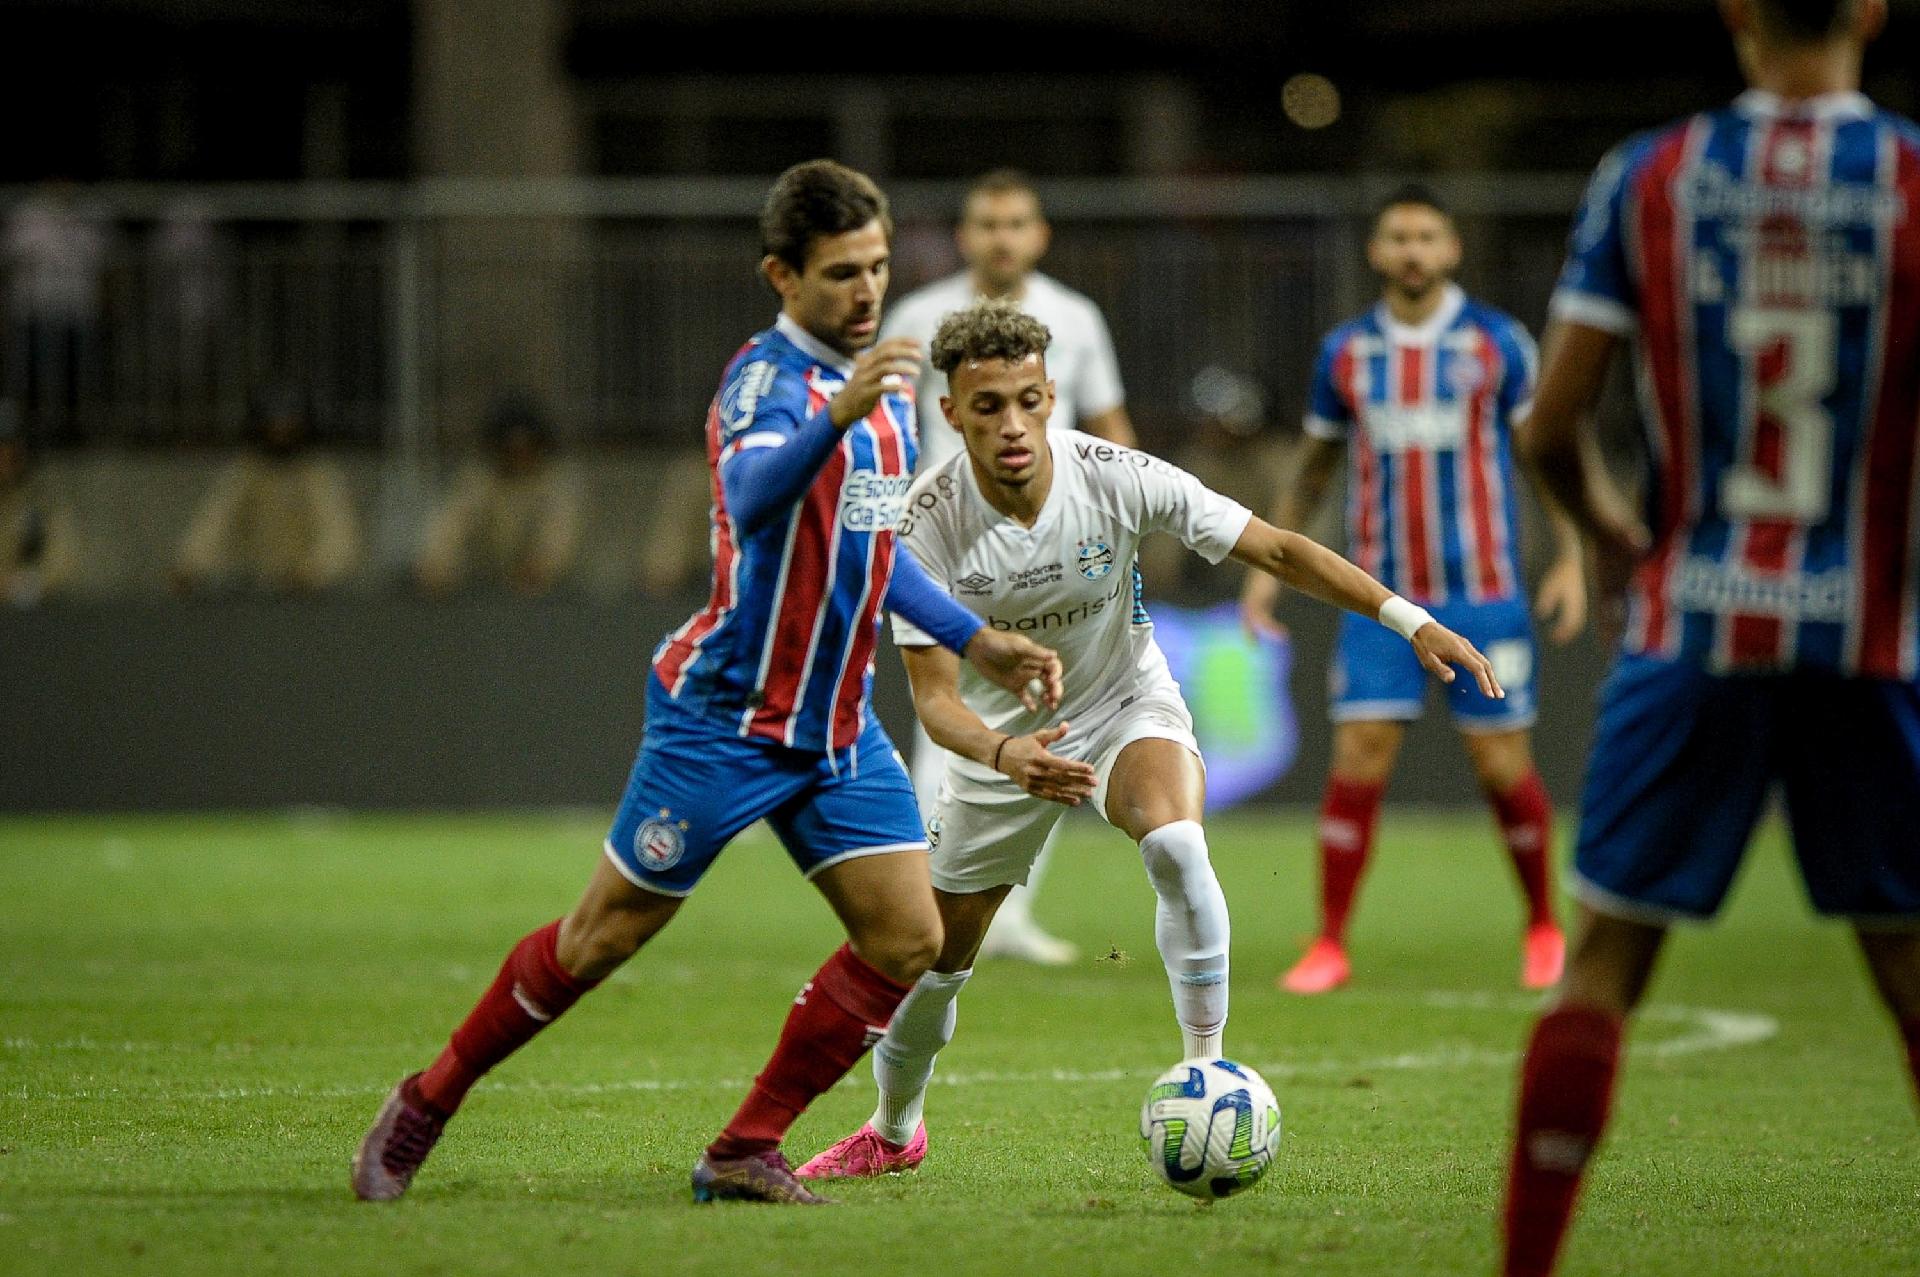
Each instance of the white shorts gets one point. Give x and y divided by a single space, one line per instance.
987 836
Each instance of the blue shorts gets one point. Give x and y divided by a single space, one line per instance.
697 783
1682 765
1376 676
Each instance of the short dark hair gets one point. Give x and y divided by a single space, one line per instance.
1805 20
1001 181
1411 195
988 330
818 197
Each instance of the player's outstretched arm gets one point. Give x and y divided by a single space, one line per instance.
935 675
1318 460
1565 457
1313 569
1013 661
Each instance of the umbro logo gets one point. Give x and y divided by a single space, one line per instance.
974 581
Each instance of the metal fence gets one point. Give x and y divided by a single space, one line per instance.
399 309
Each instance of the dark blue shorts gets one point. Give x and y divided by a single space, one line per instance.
1376 676
697 783
1683 762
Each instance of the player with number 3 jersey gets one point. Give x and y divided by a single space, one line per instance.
1764 258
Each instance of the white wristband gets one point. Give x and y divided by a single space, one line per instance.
1402 617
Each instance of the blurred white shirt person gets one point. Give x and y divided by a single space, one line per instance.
1002 236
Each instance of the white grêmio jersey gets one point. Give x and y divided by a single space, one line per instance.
1086 375
1068 581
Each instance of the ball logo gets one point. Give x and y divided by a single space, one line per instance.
659 844
1096 559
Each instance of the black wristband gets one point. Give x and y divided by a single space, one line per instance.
996 751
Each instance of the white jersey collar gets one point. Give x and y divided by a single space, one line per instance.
812 346
1452 298
1844 105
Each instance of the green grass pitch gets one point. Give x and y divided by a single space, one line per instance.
198 1017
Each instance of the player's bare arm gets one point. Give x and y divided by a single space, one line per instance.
1113 425
934 674
1319 461
1303 563
1563 453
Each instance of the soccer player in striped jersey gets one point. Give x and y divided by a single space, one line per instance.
1765 260
1034 529
1420 394
757 707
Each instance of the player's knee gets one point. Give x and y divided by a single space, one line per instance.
904 951
1365 751
1499 762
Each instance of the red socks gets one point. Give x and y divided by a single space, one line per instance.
841 1012
1525 814
1566 1087
530 992
1348 814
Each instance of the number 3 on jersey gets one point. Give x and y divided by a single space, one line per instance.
1790 365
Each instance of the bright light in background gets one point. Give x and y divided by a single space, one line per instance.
1310 100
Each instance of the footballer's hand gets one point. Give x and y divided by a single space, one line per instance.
1440 649
1562 598
1618 543
1017 663
883 368
1257 599
1027 761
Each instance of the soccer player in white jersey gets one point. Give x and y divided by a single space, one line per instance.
1002 236
1034 530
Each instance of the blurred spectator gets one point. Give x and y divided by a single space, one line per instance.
37 539
677 552
278 519
192 262
54 249
513 516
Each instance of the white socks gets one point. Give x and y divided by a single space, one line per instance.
1190 927
903 1059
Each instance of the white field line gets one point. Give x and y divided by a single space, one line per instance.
1705 1029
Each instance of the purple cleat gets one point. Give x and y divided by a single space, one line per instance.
758 1177
402 1136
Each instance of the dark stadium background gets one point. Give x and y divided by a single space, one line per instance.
419 205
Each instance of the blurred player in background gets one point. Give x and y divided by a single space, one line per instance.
1034 529
758 706
1421 392
1003 234
1766 259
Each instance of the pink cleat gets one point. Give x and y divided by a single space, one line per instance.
863 1155
1322 970
1545 954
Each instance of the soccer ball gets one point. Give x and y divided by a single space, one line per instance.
1210 1127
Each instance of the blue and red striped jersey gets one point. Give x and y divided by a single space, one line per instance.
1767 255
784 648
1427 413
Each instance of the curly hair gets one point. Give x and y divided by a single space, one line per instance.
819 197
988 330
